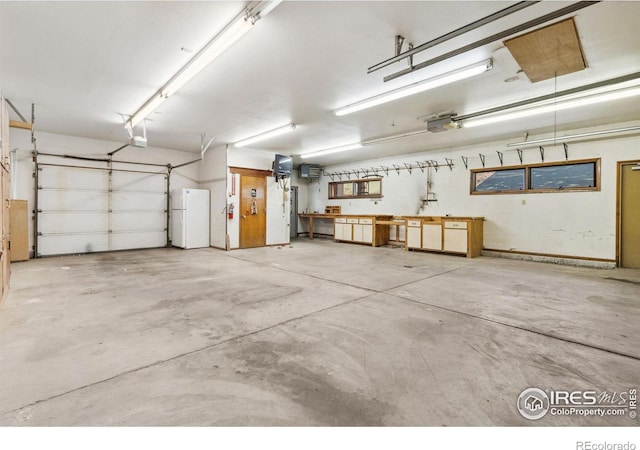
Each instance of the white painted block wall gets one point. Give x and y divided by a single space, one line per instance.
581 224
213 176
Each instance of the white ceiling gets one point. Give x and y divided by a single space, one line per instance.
84 63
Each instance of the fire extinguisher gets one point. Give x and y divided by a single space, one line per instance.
231 211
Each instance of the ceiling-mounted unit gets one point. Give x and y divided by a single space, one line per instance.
138 141
309 171
441 123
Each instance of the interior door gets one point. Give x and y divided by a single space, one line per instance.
630 216
253 211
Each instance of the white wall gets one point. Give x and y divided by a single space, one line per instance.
579 224
278 211
213 176
277 220
23 182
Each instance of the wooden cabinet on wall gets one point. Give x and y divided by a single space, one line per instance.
362 230
460 235
19 227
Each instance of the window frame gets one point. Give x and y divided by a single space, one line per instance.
527 178
356 188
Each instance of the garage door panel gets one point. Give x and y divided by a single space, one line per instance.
84 210
154 221
131 240
73 223
70 244
129 201
61 200
133 181
72 178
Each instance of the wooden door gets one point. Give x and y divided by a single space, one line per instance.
629 216
253 211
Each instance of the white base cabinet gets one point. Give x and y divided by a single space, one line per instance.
362 230
461 235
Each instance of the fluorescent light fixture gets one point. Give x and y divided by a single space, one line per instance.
233 31
394 137
328 151
550 107
421 86
147 108
266 135
221 42
572 137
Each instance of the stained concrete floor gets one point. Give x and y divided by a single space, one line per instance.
316 333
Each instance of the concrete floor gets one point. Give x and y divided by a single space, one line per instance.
316 333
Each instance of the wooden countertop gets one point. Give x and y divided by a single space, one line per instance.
386 216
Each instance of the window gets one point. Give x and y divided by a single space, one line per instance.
567 176
499 180
546 177
371 188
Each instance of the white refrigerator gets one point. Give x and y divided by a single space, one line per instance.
190 211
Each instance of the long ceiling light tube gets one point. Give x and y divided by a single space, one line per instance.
147 108
266 135
230 34
617 81
329 151
573 137
415 88
550 107
394 137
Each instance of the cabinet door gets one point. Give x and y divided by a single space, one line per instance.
367 233
413 237
337 232
455 240
343 232
432 236
357 232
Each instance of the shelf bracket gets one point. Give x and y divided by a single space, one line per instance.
397 168
519 154
409 168
542 153
422 166
434 164
566 151
482 158
385 169
500 157
465 161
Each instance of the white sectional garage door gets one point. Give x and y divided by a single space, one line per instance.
84 210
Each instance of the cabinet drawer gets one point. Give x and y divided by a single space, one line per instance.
459 225
352 220
413 223
341 220
366 221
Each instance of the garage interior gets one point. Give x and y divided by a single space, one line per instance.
412 211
